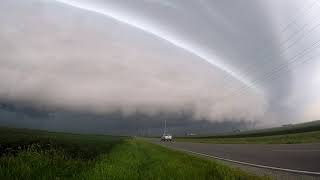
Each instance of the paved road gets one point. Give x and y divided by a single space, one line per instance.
303 157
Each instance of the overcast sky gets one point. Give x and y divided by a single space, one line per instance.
226 62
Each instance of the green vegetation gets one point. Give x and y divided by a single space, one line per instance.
27 154
308 132
284 130
142 160
74 145
306 137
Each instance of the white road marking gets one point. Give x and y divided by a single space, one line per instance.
296 150
249 164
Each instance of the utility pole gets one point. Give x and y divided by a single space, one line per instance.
165 127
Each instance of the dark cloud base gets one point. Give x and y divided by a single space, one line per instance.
114 123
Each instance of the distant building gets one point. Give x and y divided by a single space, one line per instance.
191 134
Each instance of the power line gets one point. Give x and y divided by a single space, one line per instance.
303 12
287 68
253 66
283 66
307 10
269 74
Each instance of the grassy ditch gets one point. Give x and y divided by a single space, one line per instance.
137 159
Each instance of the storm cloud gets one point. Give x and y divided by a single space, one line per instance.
218 61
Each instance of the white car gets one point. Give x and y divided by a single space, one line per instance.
166 137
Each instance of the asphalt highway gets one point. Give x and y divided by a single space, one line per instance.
301 157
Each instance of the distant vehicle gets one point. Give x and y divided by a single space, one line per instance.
236 130
166 137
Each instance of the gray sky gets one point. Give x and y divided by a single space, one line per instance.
219 61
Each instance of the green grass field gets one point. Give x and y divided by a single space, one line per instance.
308 132
27 154
294 138
283 130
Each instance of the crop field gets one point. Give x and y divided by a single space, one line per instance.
284 130
294 134
28 154
307 137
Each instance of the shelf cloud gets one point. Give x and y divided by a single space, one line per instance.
208 59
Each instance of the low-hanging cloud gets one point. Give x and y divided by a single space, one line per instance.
63 58
200 60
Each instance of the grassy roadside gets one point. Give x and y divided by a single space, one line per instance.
295 138
137 159
42 155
